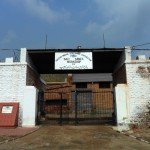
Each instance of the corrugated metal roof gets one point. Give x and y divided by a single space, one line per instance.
93 77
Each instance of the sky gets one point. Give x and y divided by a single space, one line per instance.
69 23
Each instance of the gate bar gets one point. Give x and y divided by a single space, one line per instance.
60 109
76 108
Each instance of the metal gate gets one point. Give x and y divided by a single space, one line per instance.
79 107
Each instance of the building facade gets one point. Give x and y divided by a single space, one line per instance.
20 83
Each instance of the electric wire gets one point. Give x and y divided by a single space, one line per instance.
134 47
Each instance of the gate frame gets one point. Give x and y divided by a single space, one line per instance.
77 91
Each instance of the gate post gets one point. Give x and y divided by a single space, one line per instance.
76 108
122 108
114 120
60 108
29 115
40 107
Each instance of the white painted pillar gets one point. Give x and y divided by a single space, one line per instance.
23 55
30 107
122 111
128 53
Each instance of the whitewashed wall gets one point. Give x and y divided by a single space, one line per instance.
133 98
13 85
138 79
12 82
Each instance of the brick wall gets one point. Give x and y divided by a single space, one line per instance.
52 93
119 74
99 99
102 98
33 78
119 77
138 79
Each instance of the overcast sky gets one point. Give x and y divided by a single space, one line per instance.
69 23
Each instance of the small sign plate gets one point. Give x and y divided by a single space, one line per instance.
7 109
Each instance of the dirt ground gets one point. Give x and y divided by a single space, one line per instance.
75 138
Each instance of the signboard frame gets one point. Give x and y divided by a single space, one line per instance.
73 60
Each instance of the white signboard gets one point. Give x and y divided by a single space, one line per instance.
73 60
7 109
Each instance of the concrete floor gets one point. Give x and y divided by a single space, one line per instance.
75 138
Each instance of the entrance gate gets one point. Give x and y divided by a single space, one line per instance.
80 106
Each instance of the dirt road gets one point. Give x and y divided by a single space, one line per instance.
75 138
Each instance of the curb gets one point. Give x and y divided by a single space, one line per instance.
13 139
137 138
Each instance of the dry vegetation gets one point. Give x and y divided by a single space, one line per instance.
54 77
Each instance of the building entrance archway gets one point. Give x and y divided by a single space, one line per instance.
78 106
